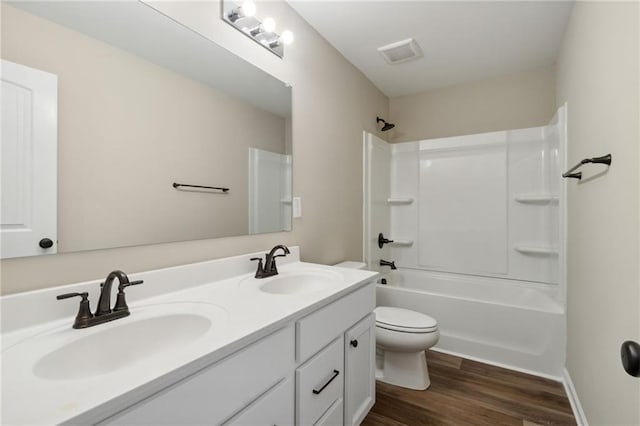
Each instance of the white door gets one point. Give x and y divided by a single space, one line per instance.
28 155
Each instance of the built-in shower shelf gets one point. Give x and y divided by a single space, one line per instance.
405 243
536 250
286 201
400 200
536 198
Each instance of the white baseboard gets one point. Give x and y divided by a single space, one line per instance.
578 413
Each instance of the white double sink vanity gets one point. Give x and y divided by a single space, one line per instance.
205 343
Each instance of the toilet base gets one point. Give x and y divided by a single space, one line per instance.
408 370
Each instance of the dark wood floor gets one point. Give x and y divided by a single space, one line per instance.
465 392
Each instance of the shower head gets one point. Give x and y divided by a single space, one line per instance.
387 126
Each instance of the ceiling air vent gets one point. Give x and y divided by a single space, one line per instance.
400 51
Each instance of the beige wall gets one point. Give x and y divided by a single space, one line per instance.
332 104
138 127
598 75
512 102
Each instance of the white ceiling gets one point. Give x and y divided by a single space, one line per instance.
461 41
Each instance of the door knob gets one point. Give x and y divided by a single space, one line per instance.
630 354
45 243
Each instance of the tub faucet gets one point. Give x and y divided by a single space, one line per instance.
392 265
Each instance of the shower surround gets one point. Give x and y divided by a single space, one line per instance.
478 228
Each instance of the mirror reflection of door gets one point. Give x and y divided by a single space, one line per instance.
269 191
28 220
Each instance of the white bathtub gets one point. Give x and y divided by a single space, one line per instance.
501 322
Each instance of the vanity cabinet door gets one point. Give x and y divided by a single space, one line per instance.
220 391
359 369
318 329
273 408
333 416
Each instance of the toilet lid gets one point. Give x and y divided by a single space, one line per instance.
404 320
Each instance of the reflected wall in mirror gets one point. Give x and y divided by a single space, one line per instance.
142 102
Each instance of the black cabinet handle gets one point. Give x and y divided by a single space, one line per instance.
335 374
45 243
354 343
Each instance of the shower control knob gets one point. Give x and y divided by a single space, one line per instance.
630 354
354 343
382 240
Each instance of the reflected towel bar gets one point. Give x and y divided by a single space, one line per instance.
605 159
178 185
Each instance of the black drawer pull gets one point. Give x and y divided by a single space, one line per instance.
335 374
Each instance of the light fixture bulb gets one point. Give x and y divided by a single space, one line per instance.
286 37
269 25
248 8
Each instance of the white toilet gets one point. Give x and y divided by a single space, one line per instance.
402 337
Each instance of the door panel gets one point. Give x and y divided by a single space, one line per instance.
360 359
28 156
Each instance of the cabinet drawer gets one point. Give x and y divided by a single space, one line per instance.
333 416
217 392
273 408
319 328
319 383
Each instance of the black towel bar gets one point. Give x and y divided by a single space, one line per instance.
605 159
178 185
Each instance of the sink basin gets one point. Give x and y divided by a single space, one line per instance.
295 282
150 333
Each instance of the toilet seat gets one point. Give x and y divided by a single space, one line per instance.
404 320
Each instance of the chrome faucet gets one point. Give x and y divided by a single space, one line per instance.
104 313
270 268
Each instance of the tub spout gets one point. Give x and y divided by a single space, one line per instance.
392 265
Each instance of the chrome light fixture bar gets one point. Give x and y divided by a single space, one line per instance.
241 16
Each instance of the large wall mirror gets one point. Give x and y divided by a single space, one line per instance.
105 105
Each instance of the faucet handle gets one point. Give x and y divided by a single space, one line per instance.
121 302
260 270
123 285
84 311
84 296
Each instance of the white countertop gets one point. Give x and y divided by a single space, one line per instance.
241 313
